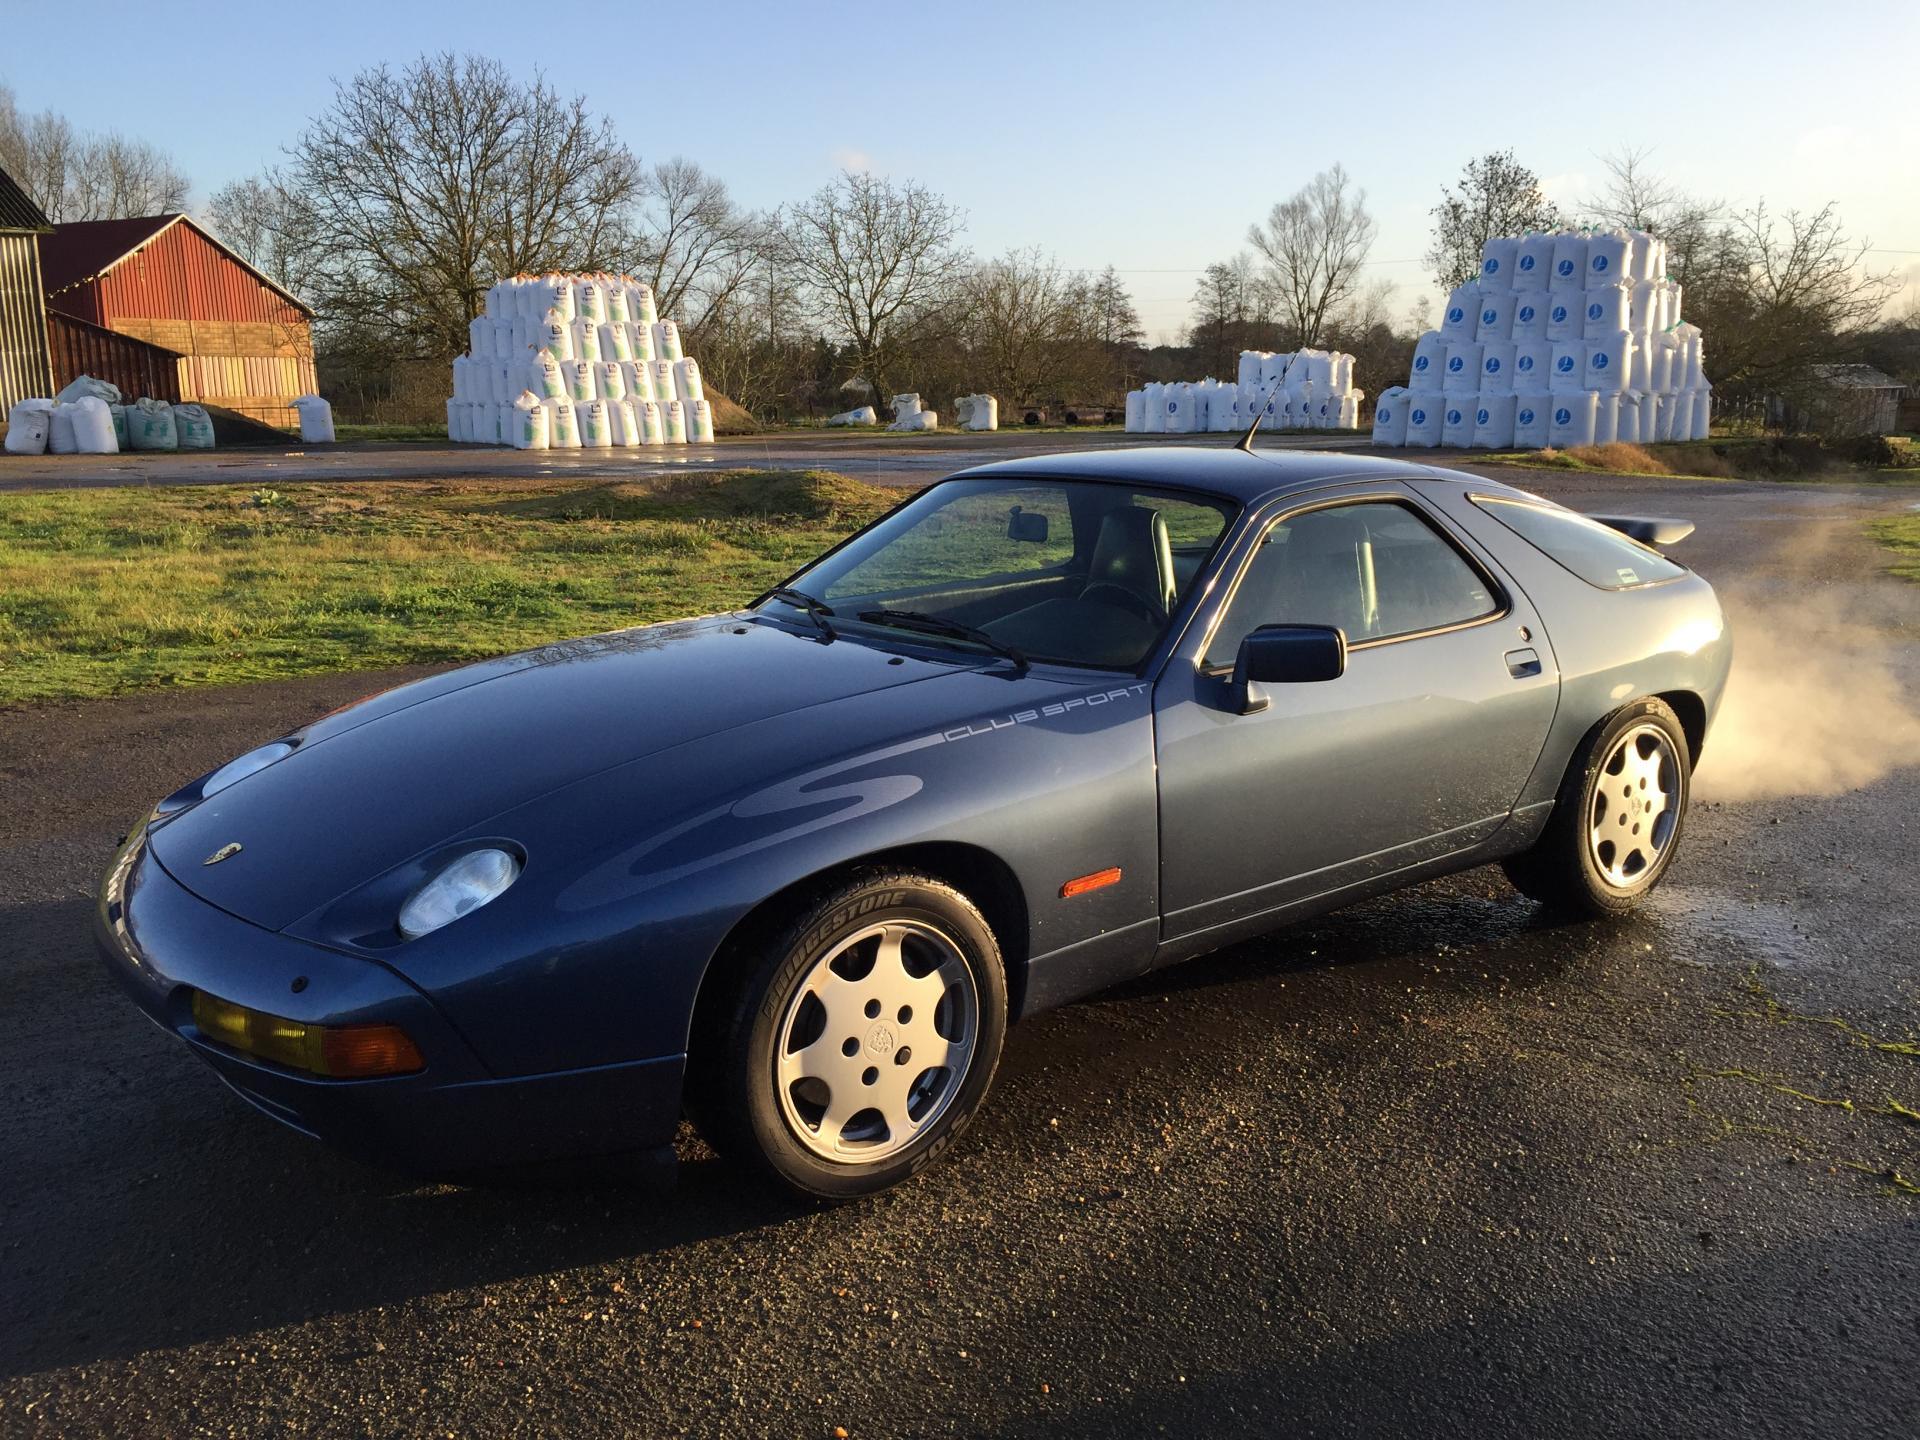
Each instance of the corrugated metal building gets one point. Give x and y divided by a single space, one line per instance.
241 340
24 370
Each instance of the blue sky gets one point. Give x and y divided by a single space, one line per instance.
1146 136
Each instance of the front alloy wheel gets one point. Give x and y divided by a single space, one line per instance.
876 1040
862 1041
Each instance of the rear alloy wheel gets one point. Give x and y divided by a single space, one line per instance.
1616 823
865 1042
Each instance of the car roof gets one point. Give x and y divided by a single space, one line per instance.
1220 469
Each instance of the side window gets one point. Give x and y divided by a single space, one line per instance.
1598 554
1375 570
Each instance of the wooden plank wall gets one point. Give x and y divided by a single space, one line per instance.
25 370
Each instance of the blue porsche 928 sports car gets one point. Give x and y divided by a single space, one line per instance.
791 871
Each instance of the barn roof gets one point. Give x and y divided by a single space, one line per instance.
17 210
84 250
1856 377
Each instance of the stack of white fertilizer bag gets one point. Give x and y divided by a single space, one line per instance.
88 418
566 362
1571 338
1304 390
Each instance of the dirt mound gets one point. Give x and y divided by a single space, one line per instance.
729 418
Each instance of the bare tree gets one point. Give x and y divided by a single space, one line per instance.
876 261
270 226
1780 294
83 176
756 346
1118 333
1028 325
694 245
428 184
1497 196
1636 198
1314 244
1233 310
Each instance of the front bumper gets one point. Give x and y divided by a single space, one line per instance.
162 943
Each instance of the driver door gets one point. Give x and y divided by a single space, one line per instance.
1417 752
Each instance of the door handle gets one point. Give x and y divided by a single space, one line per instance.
1522 663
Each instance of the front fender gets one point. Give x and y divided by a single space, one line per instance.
635 877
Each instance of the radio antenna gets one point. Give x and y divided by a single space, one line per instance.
1245 442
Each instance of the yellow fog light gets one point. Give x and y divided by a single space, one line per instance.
341 1052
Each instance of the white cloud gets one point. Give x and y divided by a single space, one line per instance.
848 157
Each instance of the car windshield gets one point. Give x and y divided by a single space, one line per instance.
1067 572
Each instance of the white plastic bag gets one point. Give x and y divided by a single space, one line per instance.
596 429
687 386
85 385
1572 420
150 425
1429 355
1493 421
191 424
29 426
563 424
1530 415
700 422
1390 417
530 422
60 437
1424 418
316 420
1462 315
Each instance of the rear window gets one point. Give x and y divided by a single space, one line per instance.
1598 554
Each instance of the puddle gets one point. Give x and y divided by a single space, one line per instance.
1693 917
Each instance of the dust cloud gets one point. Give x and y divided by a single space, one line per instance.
1822 697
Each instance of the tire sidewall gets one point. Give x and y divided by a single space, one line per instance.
1657 713
845 913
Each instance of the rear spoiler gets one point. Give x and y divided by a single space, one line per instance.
1647 529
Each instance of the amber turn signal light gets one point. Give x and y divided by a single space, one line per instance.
1098 880
339 1052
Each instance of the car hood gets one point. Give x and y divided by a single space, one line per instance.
371 786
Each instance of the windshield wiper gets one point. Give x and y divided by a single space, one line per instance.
817 611
940 625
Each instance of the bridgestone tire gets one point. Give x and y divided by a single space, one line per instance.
734 1091
1560 870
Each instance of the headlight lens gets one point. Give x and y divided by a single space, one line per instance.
248 764
465 885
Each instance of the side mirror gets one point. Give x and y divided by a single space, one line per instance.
1285 655
1023 526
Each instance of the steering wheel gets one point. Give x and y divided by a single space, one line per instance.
1127 600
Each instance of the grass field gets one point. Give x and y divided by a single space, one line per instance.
1902 536
108 591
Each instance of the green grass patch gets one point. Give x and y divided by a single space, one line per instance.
394 433
114 590
1901 535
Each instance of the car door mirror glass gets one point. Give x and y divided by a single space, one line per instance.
1285 655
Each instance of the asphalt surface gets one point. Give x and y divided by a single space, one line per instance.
1433 1165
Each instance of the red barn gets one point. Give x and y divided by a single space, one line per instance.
233 336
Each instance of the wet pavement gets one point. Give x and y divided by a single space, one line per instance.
1432 1165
